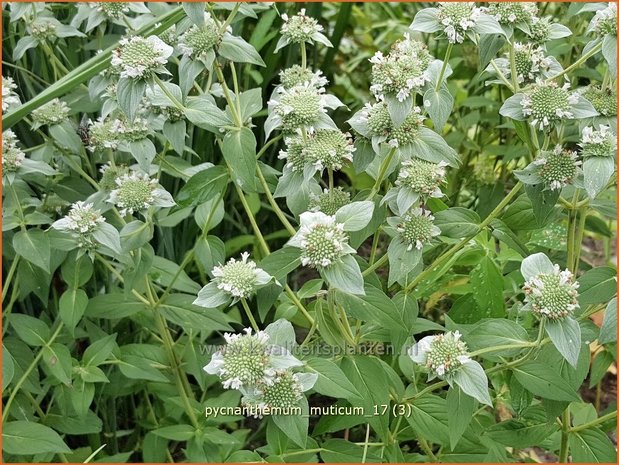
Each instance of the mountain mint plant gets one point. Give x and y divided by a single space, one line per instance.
352 232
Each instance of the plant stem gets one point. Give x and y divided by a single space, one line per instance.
439 81
278 211
501 76
24 376
377 264
381 173
9 276
578 62
231 105
447 254
597 421
303 55
168 94
565 430
252 320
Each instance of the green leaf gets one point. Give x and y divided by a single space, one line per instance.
565 335
597 172
331 379
28 438
57 359
544 381
31 330
428 418
487 284
281 262
460 410
114 306
356 215
34 246
295 426
175 432
99 351
235 49
129 94
374 307
457 222
342 451
239 151
344 275
543 201
203 186
608 331
179 309
8 367
473 381
71 307
439 105
597 286
591 445
609 50
496 332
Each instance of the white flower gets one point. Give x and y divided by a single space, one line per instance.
240 278
422 177
416 228
137 192
457 18
139 57
322 240
598 143
441 354
552 295
557 168
546 104
10 99
12 156
199 41
605 21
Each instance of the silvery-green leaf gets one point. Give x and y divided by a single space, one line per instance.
434 72
235 49
558 31
281 333
401 261
536 264
597 172
36 166
472 379
426 20
107 235
486 24
609 50
489 45
439 105
405 199
211 297
195 11
129 93
512 108
529 175
344 275
307 380
322 39
398 111
143 151
23 45
272 122
359 124
583 109
66 135
175 132
565 335
281 43
288 183
188 70
356 215
431 147
608 331
325 122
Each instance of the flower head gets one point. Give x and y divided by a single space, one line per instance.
322 240
109 174
457 18
300 28
403 71
244 361
513 12
12 155
200 40
441 354
553 295
297 75
103 134
557 168
81 221
604 101
530 61
422 177
324 148
239 278
546 104
329 201
283 391
416 228
54 112
139 57
605 21
10 99
114 10
43 29
380 125
598 143
136 192
299 106
540 29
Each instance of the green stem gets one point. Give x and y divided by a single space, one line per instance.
230 17
9 276
446 255
597 421
168 94
231 104
252 320
501 76
439 81
381 173
565 430
578 62
303 55
24 376
278 211
377 264
512 64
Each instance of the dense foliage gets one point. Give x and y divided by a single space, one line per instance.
349 233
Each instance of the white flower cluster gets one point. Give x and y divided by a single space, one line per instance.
422 177
441 354
324 148
531 62
404 70
600 142
298 107
108 133
198 41
136 192
10 99
322 240
12 155
558 168
548 103
300 27
513 12
139 57
239 278
605 21
416 228
83 218
53 112
552 295
457 18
